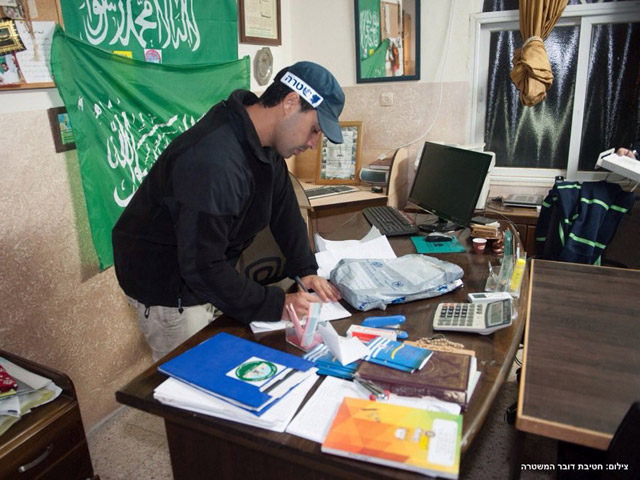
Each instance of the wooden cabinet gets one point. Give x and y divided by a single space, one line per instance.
49 442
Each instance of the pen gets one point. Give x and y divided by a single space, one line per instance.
312 322
294 319
300 284
372 388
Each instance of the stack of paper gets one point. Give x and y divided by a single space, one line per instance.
178 394
33 391
237 374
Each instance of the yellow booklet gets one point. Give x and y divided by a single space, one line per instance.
410 438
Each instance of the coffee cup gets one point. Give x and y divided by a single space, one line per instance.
479 245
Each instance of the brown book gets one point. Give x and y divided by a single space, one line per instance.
447 376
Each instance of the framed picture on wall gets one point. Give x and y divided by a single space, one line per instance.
340 163
259 22
61 129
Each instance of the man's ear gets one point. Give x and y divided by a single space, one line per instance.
291 103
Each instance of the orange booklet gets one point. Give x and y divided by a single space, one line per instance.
414 439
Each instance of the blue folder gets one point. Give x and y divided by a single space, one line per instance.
216 366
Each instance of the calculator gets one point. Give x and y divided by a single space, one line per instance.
483 318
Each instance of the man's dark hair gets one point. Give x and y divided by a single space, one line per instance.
276 92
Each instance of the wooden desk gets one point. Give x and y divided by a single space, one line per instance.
328 213
581 366
201 446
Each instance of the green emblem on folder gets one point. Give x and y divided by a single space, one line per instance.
256 371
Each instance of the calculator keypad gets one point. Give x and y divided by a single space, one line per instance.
459 314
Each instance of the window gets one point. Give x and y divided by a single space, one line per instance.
593 104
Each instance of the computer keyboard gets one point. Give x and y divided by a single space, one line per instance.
317 192
389 221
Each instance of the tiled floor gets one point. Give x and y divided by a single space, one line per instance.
132 445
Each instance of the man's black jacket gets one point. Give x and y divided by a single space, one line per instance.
202 203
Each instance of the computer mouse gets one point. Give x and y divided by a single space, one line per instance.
438 237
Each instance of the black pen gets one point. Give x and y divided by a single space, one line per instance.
300 284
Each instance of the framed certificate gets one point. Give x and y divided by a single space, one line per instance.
259 21
340 163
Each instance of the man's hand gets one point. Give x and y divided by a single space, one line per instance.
325 290
301 302
625 152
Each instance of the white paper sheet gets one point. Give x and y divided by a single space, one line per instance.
34 61
346 350
330 311
378 247
323 244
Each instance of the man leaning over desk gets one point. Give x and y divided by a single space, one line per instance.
209 193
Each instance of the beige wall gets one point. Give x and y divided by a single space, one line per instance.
385 128
57 309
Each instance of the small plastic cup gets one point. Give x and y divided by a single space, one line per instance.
292 338
479 245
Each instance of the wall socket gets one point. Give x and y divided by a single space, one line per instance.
386 99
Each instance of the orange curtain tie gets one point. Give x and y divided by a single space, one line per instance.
531 71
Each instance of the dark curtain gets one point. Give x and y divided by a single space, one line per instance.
532 137
612 110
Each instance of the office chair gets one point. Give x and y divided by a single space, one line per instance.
573 225
622 451
396 187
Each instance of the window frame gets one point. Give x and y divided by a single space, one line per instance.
585 16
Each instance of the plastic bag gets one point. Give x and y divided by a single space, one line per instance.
369 284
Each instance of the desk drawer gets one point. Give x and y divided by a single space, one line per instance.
42 448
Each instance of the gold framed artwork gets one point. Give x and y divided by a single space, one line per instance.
259 22
10 41
340 163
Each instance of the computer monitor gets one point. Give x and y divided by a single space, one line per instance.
448 183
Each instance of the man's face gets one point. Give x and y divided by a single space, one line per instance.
5 67
297 132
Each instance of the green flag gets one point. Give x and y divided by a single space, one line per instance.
369 21
160 31
124 113
375 65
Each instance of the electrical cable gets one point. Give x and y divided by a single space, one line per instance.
442 69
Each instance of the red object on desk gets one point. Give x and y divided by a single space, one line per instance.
6 381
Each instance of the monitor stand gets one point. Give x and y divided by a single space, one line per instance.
439 225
